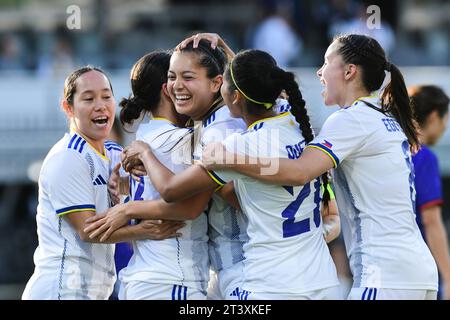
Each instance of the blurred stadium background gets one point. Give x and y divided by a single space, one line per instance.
38 49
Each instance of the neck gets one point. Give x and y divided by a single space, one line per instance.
424 136
351 95
166 110
218 102
251 118
98 145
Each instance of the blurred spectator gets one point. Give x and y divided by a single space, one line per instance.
275 35
10 53
326 13
431 107
355 21
61 58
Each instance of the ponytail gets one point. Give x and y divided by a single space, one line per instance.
148 75
131 110
369 55
298 110
396 101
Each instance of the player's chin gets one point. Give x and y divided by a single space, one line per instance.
183 109
101 133
327 100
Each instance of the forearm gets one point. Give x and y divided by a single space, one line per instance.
124 185
230 53
160 176
187 209
438 244
269 170
229 195
127 233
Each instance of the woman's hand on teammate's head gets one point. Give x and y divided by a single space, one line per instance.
214 38
214 156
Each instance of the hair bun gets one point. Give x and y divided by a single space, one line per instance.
131 109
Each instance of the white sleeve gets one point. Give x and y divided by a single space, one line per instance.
219 131
234 144
340 136
68 182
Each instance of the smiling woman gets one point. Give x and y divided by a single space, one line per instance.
72 188
91 91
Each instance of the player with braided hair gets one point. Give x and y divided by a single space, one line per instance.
368 142
286 256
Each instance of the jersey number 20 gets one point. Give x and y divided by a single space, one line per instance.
292 228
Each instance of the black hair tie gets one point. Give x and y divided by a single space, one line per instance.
387 66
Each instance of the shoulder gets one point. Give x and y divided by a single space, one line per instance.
344 119
222 118
282 105
111 145
63 160
424 155
76 143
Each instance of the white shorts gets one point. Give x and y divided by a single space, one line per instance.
222 285
46 287
366 293
139 290
330 293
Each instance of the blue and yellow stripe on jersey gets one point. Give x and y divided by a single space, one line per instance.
327 151
209 120
111 145
78 141
258 124
77 208
216 178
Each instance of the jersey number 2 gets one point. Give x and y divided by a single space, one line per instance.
292 228
137 189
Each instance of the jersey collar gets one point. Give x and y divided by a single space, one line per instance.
103 156
267 119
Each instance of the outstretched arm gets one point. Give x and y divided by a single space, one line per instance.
311 164
155 230
171 187
119 215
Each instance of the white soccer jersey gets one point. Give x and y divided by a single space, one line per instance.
286 252
181 261
113 152
73 178
374 183
227 227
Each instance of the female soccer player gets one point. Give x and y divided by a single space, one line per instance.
431 109
177 268
72 188
368 141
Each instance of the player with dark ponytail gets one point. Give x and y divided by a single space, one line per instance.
368 142
286 256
